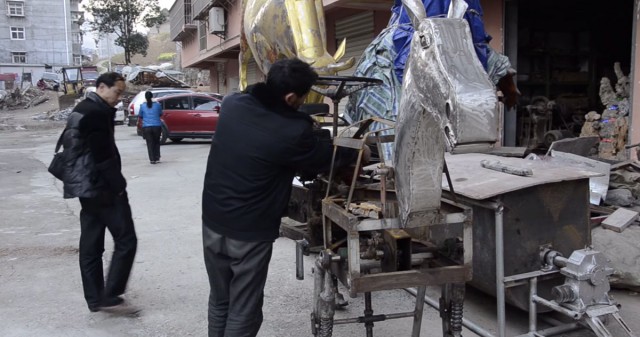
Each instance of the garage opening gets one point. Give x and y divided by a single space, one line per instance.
564 48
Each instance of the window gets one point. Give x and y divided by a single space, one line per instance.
17 33
204 104
77 60
15 8
76 37
202 34
19 57
177 103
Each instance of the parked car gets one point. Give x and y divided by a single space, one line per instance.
132 109
187 115
216 95
52 80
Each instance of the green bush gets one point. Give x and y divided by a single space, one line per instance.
166 57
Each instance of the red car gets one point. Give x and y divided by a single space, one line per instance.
187 115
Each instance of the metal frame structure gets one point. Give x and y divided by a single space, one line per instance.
590 318
341 257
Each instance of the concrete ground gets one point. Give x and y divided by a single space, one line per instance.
40 287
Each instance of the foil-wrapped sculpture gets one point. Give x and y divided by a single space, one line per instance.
277 29
447 100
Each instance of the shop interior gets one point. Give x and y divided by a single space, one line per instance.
564 48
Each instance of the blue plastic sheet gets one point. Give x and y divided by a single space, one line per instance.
436 8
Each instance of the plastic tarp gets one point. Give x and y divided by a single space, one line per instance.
436 8
386 56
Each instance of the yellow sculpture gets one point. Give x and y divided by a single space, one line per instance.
277 29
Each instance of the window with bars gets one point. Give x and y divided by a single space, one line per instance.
15 8
19 57
17 33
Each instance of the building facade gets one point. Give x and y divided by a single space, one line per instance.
560 49
39 35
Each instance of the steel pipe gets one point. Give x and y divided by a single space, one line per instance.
473 327
573 314
500 271
533 291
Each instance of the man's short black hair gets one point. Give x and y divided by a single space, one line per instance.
109 79
291 76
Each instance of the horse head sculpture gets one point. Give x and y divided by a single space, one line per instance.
447 101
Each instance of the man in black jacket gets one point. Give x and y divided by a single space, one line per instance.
94 176
261 141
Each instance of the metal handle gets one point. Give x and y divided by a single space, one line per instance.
302 248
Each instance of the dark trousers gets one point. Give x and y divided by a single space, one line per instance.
152 136
114 214
237 275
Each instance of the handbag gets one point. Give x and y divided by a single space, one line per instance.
57 165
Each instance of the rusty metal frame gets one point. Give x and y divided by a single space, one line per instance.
356 282
334 212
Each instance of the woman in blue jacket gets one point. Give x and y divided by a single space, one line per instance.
150 113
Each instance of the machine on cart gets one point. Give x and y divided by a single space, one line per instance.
367 248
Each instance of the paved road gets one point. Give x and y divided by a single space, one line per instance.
40 289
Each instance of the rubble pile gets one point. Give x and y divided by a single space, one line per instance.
25 98
612 124
54 115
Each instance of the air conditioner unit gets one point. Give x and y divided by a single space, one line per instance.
216 20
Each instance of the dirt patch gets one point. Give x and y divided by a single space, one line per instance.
27 118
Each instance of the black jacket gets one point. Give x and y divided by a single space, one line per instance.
259 145
91 156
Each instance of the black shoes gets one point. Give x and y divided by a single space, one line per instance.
116 306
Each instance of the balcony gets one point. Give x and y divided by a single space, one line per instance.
201 9
181 20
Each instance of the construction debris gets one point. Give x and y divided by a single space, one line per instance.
22 99
622 251
54 115
620 219
140 79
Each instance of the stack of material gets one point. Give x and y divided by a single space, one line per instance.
54 115
28 97
613 124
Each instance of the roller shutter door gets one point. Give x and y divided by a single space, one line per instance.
254 74
358 30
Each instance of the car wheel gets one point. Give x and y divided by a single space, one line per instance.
164 135
176 140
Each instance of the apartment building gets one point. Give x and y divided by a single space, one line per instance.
39 35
